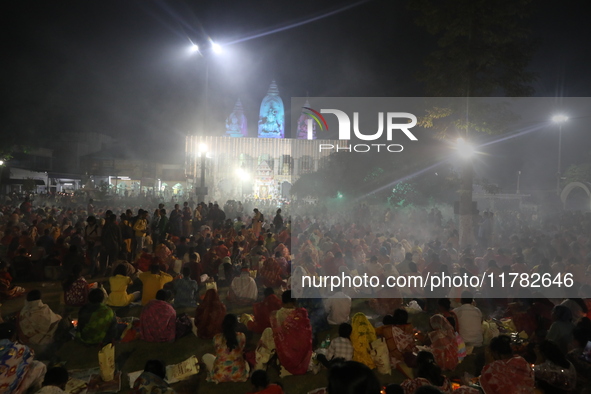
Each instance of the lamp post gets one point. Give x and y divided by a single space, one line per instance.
465 152
560 120
216 49
202 190
518 180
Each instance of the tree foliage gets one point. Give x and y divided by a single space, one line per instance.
578 173
483 47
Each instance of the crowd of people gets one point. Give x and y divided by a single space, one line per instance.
185 268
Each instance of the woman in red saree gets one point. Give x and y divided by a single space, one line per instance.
210 315
443 343
293 336
508 373
262 311
271 273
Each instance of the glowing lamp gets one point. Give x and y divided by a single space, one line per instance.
465 149
559 118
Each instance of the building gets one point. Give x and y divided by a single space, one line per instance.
238 167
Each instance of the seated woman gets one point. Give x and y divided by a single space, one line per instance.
119 282
152 380
443 343
361 338
186 290
7 290
228 363
209 315
262 311
19 372
262 385
75 288
561 330
428 374
97 323
506 373
37 323
293 336
271 273
399 335
243 288
553 372
158 319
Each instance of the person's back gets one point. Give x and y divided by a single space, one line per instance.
186 290
152 282
37 322
469 321
158 319
338 307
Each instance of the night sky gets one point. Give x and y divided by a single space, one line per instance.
123 67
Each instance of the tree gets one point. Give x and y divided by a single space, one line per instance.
578 173
483 47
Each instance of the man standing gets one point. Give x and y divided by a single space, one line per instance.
140 227
92 237
278 221
111 240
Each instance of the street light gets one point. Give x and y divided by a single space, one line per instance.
466 152
465 149
216 49
559 119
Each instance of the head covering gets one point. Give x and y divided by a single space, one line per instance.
362 336
227 260
562 313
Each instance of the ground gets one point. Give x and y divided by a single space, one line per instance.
132 356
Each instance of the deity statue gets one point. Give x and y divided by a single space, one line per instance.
303 125
272 116
236 122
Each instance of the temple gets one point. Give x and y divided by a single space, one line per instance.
240 167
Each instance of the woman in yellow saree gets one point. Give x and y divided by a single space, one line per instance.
362 336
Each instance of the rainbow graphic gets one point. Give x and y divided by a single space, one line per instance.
316 116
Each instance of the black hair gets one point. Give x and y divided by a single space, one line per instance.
186 272
345 330
352 377
428 368
445 303
260 379
428 390
269 291
581 336
552 352
229 330
286 297
33 295
7 330
388 320
154 268
120 270
394 389
467 297
56 376
96 296
501 345
400 316
162 295
156 367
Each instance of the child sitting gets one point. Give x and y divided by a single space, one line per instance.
340 348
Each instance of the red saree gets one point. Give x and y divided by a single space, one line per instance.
293 341
209 315
262 313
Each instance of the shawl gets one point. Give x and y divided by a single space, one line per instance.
362 336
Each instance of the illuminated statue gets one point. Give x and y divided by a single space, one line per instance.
303 125
236 122
272 115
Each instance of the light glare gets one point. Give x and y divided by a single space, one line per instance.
242 173
559 118
194 48
217 48
465 150
202 148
